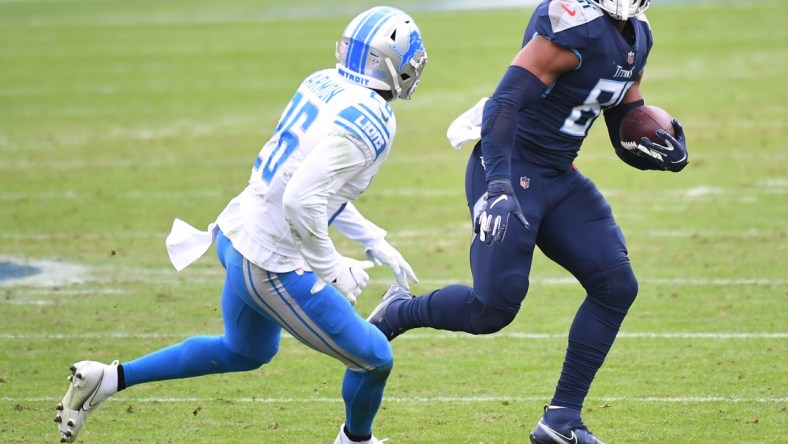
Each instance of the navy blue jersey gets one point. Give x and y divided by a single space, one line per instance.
551 131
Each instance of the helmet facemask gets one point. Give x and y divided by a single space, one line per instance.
623 9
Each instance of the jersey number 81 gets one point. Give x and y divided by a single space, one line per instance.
606 93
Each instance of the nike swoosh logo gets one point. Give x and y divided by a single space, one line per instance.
681 160
498 200
570 11
385 113
88 404
571 439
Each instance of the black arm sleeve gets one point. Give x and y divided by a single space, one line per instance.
518 89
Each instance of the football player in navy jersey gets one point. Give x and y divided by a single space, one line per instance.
579 58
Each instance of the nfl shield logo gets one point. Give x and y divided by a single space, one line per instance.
631 57
525 182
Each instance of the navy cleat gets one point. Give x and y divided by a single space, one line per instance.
572 432
378 318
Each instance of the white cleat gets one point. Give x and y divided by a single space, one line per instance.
343 439
85 393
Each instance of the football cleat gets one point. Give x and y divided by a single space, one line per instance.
395 293
84 394
342 438
573 432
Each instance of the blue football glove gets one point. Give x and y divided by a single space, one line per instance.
672 156
500 204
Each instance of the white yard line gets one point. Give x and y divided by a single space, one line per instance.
191 279
450 230
769 187
128 277
426 399
435 335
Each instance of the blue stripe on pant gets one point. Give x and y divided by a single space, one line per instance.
256 305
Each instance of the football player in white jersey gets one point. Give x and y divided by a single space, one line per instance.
282 269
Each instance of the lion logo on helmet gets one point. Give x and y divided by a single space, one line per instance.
415 44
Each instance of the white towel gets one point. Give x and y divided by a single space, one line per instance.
468 126
186 244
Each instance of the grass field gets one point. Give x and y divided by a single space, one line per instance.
118 116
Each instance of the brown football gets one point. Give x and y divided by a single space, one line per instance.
644 121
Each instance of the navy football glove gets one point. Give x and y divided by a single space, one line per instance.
671 156
500 204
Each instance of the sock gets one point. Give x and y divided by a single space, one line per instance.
443 309
590 338
356 438
121 378
558 415
109 382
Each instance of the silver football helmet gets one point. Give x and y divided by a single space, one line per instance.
382 49
623 9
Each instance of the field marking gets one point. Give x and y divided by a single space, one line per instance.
54 291
422 336
395 235
118 164
66 236
70 194
217 277
466 281
201 129
694 193
277 13
38 302
51 273
264 15
59 291
427 399
57 273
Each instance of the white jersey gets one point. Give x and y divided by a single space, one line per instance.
330 141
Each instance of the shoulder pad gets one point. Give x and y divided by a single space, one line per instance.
373 125
646 27
568 23
565 14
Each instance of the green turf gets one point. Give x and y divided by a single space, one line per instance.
117 116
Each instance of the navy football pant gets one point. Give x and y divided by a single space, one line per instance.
256 305
573 225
